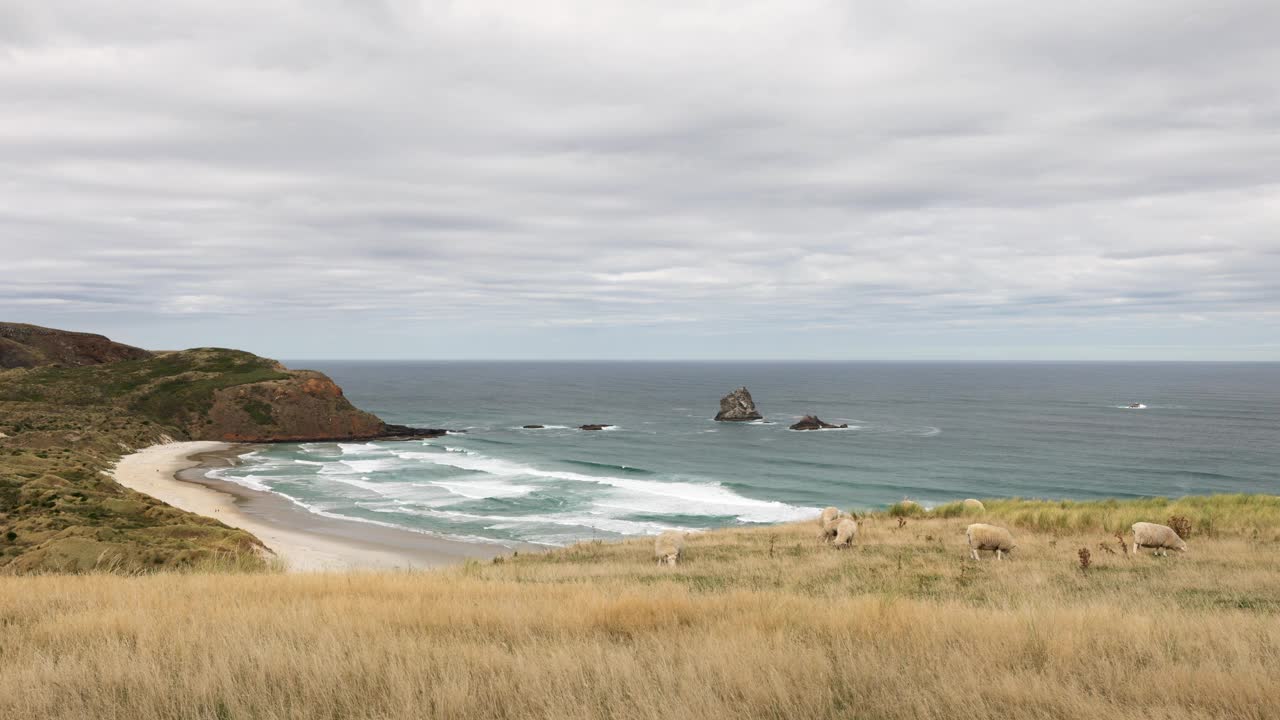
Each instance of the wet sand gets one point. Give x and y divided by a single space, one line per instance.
176 473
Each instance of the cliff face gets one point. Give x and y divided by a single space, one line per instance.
305 406
28 346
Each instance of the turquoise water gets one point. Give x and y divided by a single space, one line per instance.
930 432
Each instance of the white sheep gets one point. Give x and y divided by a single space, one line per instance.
828 520
989 537
668 547
846 531
972 504
1160 537
828 514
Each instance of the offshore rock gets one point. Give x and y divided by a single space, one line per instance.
738 406
813 422
593 427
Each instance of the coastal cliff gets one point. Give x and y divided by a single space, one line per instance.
72 403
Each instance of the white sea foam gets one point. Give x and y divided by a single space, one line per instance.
480 489
600 522
636 496
358 466
360 448
253 482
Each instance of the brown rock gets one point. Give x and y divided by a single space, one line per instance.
738 406
813 422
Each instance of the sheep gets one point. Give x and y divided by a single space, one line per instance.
846 531
668 547
828 514
1160 537
828 520
972 504
989 537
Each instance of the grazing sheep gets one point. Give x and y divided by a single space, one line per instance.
971 504
846 531
827 522
1160 537
989 537
668 547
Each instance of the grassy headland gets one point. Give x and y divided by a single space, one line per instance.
760 622
63 427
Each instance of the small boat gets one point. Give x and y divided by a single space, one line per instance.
1136 406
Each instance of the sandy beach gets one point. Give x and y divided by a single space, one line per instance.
175 473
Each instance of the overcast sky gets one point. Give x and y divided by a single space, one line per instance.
693 179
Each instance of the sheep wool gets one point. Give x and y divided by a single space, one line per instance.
846 531
1161 538
989 537
828 514
668 547
972 504
827 522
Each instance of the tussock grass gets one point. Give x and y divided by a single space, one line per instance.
760 622
1232 515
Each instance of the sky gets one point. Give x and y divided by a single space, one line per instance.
788 180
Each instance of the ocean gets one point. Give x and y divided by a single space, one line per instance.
931 432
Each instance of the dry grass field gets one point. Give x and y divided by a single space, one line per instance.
756 623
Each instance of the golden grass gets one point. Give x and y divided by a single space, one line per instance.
762 622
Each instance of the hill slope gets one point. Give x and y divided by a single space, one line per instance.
23 345
63 423
754 623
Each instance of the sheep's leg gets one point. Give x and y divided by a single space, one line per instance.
1135 548
999 554
974 553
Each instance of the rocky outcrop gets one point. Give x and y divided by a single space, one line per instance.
404 432
738 406
534 427
26 346
593 427
813 422
305 406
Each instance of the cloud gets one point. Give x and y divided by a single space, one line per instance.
710 168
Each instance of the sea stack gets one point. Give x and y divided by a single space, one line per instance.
738 406
813 422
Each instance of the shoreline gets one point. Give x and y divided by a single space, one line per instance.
176 474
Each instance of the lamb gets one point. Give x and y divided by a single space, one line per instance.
972 504
846 531
1160 537
989 537
668 547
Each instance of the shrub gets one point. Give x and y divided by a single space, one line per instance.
1180 525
